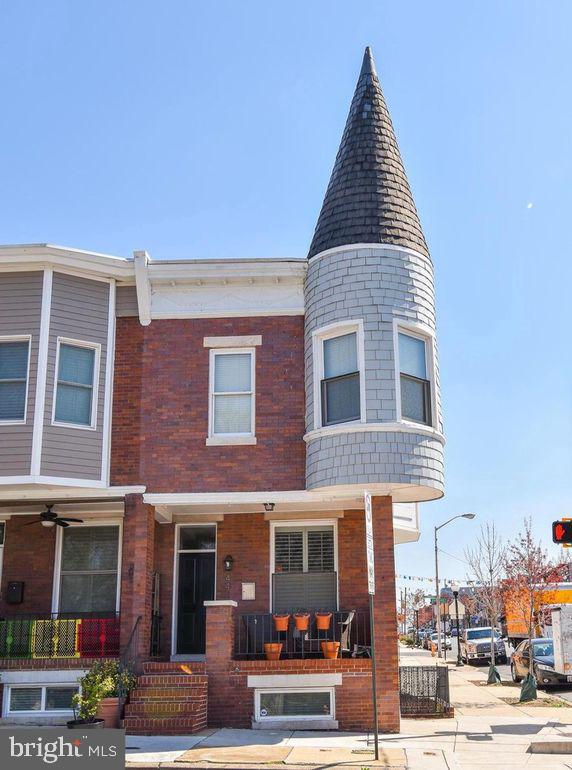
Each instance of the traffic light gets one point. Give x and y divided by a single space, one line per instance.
562 532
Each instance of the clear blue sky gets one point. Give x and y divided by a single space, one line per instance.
209 129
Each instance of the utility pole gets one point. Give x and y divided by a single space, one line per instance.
405 612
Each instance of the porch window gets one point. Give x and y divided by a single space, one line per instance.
304 568
88 574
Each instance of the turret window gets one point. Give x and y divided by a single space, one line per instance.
414 379
339 384
14 355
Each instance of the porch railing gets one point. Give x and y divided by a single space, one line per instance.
348 627
59 635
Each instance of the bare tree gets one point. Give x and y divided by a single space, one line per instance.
486 561
530 576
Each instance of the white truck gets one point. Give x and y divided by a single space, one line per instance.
562 638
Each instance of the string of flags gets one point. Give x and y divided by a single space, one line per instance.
443 581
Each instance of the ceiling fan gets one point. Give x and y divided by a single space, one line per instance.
49 518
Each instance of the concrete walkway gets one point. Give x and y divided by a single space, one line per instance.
485 731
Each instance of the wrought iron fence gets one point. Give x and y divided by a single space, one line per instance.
60 635
349 628
424 690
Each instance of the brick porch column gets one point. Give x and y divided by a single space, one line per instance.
385 616
219 652
137 571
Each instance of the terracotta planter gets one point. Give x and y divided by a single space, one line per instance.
108 710
272 650
281 622
330 650
302 621
323 620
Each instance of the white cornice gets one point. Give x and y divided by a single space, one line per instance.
375 427
37 256
360 246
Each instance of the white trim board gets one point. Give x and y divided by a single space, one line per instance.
42 373
290 681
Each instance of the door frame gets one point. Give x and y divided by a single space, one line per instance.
176 552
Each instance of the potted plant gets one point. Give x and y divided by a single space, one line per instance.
97 703
281 621
330 650
272 650
323 620
302 620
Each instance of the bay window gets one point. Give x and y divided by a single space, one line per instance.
231 410
339 385
14 355
414 379
76 384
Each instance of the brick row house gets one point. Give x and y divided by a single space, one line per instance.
184 451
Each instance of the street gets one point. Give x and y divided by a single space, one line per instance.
504 671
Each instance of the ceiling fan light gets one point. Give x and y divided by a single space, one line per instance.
48 523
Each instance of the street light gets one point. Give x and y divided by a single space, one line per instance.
455 589
438 597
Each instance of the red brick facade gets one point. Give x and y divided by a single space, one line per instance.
160 415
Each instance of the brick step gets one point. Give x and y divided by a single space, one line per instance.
154 709
165 725
180 693
173 667
169 680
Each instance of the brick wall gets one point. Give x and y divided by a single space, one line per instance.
160 409
29 554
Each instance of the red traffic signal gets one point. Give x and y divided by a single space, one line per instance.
562 532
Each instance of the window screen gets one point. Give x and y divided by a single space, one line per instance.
341 385
232 393
415 387
25 698
88 580
13 378
295 704
75 385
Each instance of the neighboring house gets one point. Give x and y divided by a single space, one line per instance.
214 425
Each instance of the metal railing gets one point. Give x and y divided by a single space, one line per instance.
424 690
60 635
350 628
155 645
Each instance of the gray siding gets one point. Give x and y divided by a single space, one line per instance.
377 285
126 301
80 309
20 313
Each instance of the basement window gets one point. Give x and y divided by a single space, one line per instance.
37 699
309 703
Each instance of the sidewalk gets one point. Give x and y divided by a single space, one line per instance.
486 730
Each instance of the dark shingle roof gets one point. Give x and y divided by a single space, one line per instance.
368 199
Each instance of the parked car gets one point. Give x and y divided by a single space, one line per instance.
475 645
445 641
542 663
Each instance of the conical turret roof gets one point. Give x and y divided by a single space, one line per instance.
368 199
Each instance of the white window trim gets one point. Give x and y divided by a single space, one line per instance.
58 558
20 338
95 386
290 717
42 711
296 524
421 332
219 439
337 329
176 552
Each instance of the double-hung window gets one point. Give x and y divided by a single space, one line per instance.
232 393
304 568
14 355
88 570
415 384
340 384
76 384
